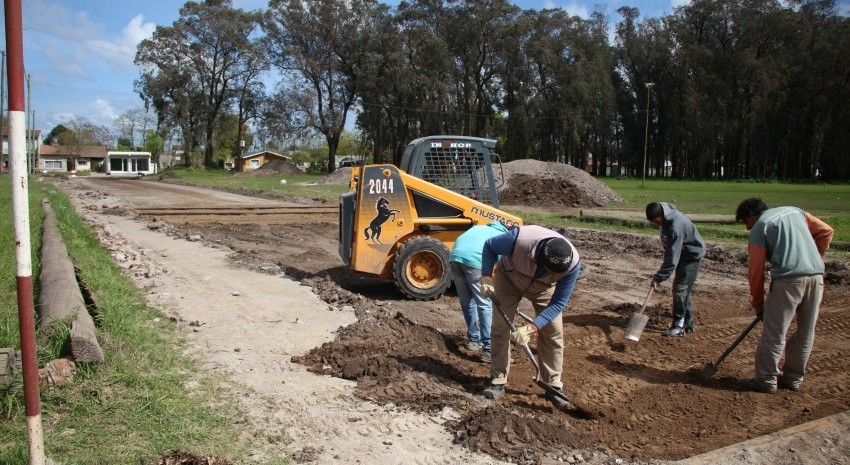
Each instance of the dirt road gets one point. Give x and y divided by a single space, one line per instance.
401 383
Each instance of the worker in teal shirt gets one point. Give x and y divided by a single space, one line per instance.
465 260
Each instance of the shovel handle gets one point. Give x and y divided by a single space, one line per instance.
737 341
511 325
646 300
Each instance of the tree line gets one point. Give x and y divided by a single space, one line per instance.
723 89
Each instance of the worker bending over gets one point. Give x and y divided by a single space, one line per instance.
542 266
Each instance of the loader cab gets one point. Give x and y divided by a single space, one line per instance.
460 164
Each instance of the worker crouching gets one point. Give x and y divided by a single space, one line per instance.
542 266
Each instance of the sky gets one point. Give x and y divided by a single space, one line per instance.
79 54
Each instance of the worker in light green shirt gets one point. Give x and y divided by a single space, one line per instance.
794 243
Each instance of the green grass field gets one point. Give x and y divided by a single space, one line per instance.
722 197
830 202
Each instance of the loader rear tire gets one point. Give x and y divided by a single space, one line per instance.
421 268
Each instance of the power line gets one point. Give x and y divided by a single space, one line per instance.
86 44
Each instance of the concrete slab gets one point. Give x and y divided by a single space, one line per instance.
824 441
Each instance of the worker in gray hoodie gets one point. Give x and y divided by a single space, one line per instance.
683 252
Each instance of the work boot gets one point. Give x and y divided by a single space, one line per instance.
755 386
473 346
494 391
689 330
674 331
486 357
559 402
784 383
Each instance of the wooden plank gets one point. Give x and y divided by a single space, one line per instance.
7 365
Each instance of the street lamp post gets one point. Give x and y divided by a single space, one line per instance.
646 135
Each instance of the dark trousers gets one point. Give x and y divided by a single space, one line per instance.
683 287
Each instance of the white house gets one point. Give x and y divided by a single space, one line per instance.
61 159
137 163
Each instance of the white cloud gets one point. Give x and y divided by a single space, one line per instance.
63 61
122 50
549 4
59 35
63 118
72 43
102 112
577 9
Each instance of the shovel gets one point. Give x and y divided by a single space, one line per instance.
638 321
577 410
711 368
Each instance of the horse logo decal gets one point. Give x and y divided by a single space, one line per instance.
373 231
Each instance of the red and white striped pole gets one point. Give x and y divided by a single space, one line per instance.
20 212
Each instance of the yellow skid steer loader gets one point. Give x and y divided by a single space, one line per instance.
401 222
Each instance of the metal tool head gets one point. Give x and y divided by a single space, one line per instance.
707 372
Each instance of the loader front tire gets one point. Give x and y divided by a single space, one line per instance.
421 268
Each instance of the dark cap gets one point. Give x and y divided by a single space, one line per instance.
557 255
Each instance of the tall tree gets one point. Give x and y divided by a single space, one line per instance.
206 49
320 48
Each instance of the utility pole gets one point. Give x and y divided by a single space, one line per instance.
4 159
23 244
34 140
646 135
27 130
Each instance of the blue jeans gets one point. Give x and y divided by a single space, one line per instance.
683 287
477 310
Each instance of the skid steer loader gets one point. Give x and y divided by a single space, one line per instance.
401 222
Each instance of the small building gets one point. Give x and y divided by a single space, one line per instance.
67 159
349 160
32 145
135 163
252 161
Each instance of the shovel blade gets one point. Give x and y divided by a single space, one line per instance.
708 372
636 325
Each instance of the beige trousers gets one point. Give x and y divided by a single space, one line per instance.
550 340
798 296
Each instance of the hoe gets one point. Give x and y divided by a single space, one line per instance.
711 368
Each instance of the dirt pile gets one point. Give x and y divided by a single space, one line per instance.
534 182
272 168
339 176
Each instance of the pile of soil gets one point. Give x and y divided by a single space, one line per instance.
524 189
534 182
273 168
339 176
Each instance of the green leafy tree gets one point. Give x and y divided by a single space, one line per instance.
319 47
190 70
154 144
54 134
